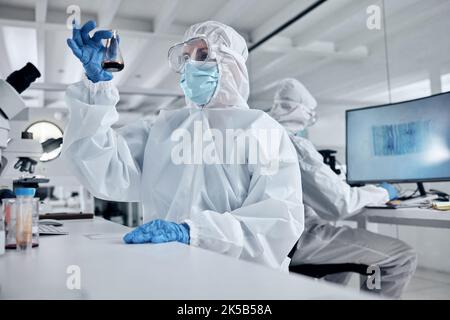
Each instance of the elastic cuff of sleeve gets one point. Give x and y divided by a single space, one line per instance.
97 86
387 196
193 233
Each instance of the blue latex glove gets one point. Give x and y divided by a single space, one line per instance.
158 231
393 194
90 50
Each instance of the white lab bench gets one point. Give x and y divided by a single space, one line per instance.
404 216
110 269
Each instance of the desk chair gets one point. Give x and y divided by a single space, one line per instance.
319 271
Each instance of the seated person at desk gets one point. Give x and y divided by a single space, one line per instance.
245 210
327 197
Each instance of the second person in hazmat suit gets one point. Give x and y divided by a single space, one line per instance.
252 210
328 198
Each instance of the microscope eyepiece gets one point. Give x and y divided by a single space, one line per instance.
21 79
27 135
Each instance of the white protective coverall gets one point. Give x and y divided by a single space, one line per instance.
327 197
244 210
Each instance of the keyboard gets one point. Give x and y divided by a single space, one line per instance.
51 230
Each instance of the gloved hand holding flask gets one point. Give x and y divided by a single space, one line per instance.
90 50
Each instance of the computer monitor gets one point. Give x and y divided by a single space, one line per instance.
401 142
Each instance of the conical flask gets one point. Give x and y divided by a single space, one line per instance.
112 59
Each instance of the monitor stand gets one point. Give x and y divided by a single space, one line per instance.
421 189
420 199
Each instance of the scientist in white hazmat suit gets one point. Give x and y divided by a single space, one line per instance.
253 211
328 198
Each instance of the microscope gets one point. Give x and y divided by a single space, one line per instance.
23 150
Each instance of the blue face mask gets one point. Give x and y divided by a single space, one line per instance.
199 82
302 133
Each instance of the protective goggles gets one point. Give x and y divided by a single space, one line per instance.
288 106
196 49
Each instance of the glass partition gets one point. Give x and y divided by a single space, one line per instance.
337 51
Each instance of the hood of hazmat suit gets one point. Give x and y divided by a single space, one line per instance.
294 107
230 52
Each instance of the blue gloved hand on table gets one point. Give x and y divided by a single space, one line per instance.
90 50
159 231
393 194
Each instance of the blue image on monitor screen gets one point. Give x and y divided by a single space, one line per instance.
408 141
401 138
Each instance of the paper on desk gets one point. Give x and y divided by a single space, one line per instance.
104 236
